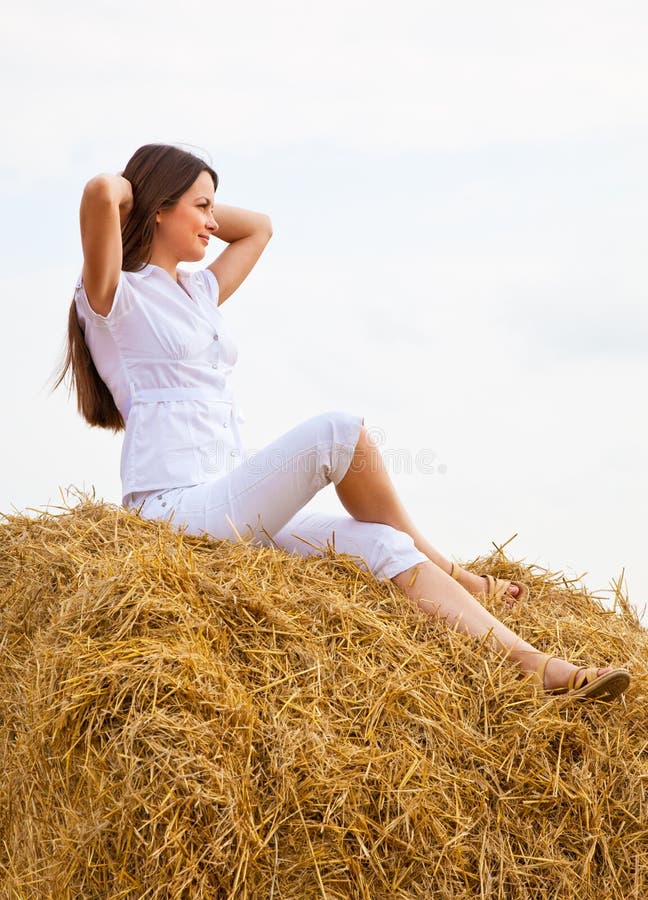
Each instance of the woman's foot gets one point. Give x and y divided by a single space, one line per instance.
557 676
477 585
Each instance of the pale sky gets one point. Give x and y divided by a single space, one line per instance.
459 200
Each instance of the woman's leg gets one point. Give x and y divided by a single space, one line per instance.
391 554
261 495
367 493
437 594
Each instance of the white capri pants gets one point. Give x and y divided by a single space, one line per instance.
264 499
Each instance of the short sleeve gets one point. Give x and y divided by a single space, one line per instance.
120 305
207 279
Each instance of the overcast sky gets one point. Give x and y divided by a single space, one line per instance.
459 200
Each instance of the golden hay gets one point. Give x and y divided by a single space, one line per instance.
187 718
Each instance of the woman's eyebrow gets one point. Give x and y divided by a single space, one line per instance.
205 198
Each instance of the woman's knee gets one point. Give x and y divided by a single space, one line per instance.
341 430
339 425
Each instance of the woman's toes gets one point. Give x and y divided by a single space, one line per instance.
511 595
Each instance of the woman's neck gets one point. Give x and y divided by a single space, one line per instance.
169 264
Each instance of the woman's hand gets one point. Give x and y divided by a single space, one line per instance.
247 234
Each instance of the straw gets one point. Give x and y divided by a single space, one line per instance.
189 718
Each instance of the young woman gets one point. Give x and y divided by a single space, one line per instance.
150 353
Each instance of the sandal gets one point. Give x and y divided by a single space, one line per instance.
585 683
498 588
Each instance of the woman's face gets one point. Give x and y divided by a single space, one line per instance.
184 230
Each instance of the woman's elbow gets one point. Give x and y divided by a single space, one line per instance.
266 226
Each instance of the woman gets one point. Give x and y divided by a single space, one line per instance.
150 353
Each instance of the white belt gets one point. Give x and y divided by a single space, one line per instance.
160 395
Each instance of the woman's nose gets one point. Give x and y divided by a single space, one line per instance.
212 224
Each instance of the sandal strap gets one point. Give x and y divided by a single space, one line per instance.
497 587
539 674
580 677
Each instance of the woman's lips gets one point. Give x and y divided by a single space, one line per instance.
203 237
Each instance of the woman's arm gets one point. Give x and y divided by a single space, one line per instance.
105 205
247 234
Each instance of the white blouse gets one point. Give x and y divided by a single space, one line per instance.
165 354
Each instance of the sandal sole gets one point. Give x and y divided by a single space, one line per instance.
606 687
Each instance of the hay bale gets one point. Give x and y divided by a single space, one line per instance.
189 718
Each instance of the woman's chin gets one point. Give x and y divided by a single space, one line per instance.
195 255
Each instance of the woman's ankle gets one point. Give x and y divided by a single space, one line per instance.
474 584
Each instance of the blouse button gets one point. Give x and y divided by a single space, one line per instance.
214 365
215 337
225 425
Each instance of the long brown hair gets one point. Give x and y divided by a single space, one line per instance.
159 175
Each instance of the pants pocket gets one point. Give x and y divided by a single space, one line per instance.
161 504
